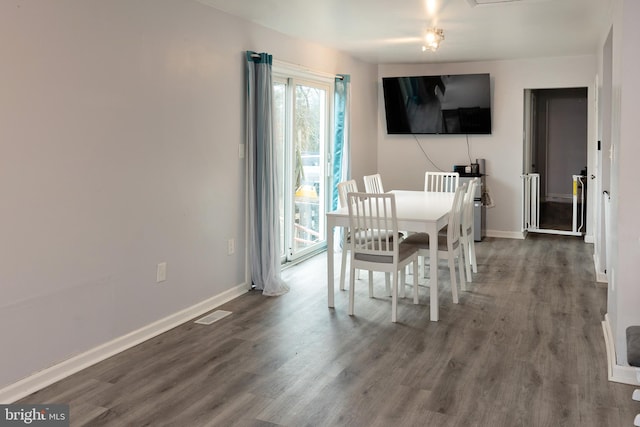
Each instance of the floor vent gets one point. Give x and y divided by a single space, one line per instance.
213 317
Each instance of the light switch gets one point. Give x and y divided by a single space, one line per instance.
161 272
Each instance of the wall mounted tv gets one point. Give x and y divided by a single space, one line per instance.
447 104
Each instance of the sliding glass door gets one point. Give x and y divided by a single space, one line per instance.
302 131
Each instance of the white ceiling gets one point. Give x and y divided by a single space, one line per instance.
391 31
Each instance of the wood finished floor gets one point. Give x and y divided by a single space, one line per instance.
523 348
558 216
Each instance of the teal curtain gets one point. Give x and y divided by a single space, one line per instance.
341 148
263 179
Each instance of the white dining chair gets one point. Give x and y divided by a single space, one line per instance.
467 230
373 183
449 247
345 187
378 247
441 181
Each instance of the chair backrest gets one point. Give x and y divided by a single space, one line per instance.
441 181
373 184
467 207
453 227
345 187
374 215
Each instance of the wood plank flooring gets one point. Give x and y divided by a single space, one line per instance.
523 348
559 216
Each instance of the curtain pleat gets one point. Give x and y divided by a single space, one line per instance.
263 179
341 149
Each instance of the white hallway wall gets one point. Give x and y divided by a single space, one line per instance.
119 130
402 163
624 285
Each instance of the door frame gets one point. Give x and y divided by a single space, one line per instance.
530 142
294 75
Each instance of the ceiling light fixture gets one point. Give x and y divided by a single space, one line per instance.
432 39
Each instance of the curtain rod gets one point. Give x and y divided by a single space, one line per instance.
257 55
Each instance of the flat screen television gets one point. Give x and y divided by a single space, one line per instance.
446 104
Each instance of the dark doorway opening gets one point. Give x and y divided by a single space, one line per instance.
558 153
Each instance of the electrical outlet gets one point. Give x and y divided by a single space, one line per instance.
161 272
241 151
231 246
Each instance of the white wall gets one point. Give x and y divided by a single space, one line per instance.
402 163
603 171
561 136
624 283
119 130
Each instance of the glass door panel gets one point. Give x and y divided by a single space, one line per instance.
309 137
301 134
279 139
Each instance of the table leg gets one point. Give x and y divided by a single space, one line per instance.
330 263
433 274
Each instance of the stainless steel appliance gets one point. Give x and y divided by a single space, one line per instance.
479 211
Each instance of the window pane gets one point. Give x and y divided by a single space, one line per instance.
279 133
308 175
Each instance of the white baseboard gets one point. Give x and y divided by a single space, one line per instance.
505 234
48 376
601 276
556 232
616 373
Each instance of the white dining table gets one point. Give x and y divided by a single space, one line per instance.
417 211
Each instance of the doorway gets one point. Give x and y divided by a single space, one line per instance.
555 160
301 132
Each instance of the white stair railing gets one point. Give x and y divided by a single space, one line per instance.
531 205
607 235
578 179
531 202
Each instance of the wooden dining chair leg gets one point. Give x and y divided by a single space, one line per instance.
352 288
403 283
394 298
343 270
423 266
463 284
387 283
472 256
466 247
415 281
452 275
